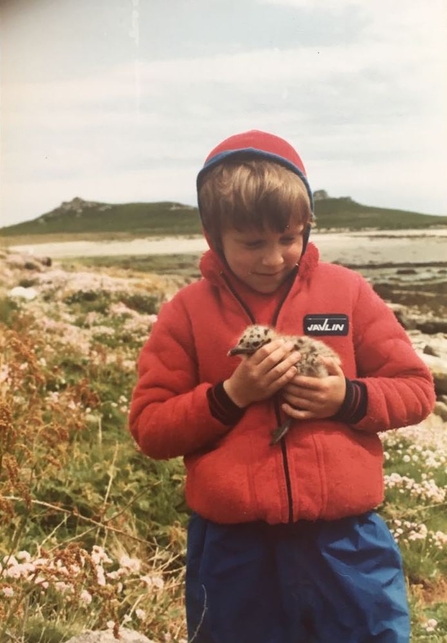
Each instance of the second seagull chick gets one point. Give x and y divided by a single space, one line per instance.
310 350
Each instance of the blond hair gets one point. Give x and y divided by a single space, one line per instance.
252 193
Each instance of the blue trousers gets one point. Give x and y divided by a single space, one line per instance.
311 582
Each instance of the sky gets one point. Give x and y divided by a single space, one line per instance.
121 100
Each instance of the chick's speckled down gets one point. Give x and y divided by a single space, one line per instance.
309 364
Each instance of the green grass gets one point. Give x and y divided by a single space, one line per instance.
71 477
72 480
148 219
184 265
345 213
123 221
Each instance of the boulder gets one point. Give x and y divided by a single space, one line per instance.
432 326
438 368
19 292
107 636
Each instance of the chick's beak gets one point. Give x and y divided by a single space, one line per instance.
240 350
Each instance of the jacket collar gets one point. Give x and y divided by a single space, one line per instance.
213 267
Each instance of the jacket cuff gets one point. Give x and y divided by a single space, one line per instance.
222 406
355 403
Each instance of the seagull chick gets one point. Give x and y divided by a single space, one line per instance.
310 350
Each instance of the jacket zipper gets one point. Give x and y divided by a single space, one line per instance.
285 460
276 403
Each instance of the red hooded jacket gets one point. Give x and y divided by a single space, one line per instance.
322 468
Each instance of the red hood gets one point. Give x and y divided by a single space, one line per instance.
258 144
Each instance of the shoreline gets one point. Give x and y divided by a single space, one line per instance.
353 247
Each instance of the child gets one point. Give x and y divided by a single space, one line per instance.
284 545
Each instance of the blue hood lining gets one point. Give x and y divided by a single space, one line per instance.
250 152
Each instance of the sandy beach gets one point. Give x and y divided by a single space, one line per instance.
403 246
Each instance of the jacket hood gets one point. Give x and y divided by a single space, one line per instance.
256 143
263 145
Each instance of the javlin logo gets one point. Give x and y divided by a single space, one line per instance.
326 324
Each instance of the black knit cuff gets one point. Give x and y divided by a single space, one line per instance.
222 406
354 405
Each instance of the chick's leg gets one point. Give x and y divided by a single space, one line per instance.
280 431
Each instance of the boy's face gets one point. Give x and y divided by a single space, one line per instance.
263 259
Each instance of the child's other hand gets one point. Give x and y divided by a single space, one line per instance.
261 375
308 398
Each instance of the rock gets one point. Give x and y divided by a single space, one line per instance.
438 368
429 350
441 410
403 316
106 636
432 349
27 261
433 326
320 195
413 319
435 345
15 260
406 271
20 292
77 205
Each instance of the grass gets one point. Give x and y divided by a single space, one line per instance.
142 219
93 533
77 500
346 213
185 265
99 221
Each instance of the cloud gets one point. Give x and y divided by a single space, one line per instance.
359 88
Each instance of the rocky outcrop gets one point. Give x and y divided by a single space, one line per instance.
320 195
79 205
27 262
76 206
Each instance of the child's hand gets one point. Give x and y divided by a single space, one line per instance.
315 397
262 374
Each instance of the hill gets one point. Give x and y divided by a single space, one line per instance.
79 217
343 212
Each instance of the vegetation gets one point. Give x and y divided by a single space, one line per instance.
186 265
138 219
80 219
346 213
93 533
